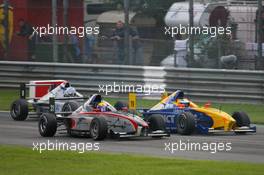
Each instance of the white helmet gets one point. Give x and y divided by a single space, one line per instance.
69 92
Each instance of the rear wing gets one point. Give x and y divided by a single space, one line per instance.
23 89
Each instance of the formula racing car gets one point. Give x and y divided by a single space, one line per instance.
98 119
185 117
38 100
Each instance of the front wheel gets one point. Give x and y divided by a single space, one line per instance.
98 128
47 125
185 123
241 118
19 110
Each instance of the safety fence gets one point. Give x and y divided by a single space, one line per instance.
233 86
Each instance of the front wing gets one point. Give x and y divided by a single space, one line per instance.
141 132
243 129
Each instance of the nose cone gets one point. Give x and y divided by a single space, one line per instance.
228 121
141 122
138 120
221 119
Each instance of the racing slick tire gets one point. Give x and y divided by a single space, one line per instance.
19 110
47 125
156 122
69 107
119 105
241 118
185 123
98 128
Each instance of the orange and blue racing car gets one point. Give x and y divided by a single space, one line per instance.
185 117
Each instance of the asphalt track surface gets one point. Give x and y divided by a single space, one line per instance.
248 148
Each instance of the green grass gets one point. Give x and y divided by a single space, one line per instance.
7 96
256 112
20 160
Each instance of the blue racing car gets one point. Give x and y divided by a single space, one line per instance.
184 117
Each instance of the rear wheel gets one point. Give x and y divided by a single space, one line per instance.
69 107
185 123
156 122
98 128
19 110
47 125
241 118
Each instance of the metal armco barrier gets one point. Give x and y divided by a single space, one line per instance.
233 86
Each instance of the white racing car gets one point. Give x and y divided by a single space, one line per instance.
98 119
38 101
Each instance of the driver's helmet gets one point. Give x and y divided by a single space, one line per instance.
182 103
102 107
70 92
